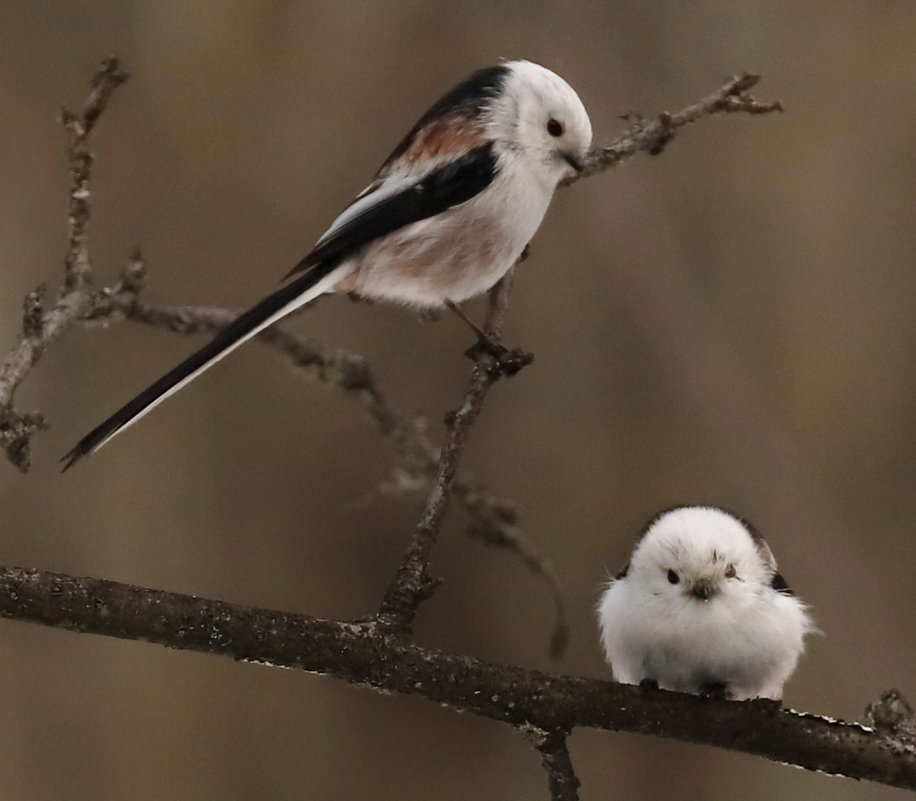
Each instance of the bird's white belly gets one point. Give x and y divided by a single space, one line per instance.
455 255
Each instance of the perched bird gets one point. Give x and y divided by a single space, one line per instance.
701 608
448 213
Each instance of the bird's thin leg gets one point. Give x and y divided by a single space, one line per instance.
504 361
481 334
485 343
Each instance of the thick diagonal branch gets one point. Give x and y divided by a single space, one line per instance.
366 655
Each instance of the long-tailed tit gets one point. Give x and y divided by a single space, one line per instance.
447 215
701 608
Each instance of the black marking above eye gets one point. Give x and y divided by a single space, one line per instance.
673 578
554 127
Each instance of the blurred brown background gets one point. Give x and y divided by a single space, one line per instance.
732 322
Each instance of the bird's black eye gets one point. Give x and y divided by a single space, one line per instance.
673 577
730 572
554 127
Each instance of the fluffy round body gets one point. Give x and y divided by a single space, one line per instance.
701 608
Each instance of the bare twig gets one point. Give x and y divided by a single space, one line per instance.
892 715
561 778
107 78
361 654
651 136
41 328
413 584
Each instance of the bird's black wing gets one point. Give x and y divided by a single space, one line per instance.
439 190
779 584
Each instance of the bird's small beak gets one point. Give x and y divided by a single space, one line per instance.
574 161
703 589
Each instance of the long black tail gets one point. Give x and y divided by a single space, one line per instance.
306 287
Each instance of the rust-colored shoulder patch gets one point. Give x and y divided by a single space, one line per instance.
441 141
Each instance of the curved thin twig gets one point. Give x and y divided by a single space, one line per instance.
653 135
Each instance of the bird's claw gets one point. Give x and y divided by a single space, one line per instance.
714 691
498 358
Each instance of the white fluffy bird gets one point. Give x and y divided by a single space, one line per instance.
701 608
448 213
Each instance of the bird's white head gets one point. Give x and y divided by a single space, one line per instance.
701 554
539 117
